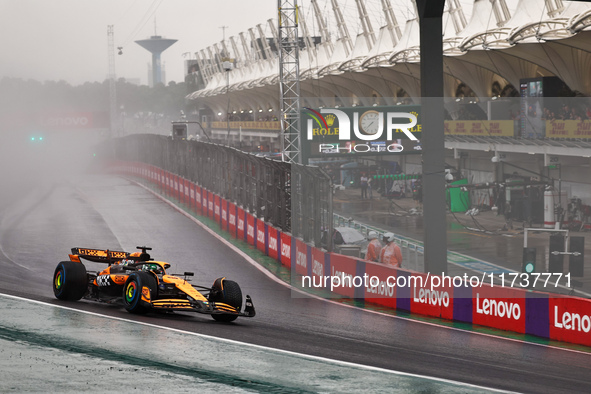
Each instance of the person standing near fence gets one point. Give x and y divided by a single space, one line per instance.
391 253
363 182
374 247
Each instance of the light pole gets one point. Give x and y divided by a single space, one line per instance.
227 68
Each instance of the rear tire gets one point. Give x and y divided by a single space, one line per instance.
228 292
132 292
70 281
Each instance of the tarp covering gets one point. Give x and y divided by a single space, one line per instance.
458 200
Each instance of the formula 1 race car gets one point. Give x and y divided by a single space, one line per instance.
143 285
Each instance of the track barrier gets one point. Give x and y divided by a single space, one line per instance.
556 317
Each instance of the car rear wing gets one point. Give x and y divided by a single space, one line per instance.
100 255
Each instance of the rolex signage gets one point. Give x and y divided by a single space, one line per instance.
329 132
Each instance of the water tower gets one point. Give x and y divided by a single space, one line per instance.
156 45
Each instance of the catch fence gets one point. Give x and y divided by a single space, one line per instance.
294 198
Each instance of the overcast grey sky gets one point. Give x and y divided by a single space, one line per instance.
67 39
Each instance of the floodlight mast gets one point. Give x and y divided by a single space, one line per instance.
289 80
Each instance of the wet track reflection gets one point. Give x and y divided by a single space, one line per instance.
109 212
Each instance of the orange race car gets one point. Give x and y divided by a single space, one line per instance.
143 285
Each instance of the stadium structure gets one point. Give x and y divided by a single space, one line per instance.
517 81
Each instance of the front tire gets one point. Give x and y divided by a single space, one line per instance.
132 292
70 281
228 292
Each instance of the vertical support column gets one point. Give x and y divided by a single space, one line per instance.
289 80
434 210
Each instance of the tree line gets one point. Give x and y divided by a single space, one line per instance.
31 96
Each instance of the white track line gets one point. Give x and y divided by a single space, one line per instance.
260 347
276 279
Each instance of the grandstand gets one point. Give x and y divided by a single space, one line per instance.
502 60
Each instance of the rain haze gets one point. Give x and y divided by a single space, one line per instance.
67 39
48 45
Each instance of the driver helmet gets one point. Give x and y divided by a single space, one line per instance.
372 235
388 237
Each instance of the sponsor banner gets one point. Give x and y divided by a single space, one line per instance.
377 291
241 223
261 234
198 200
204 201
273 242
250 229
537 319
232 219
568 129
192 196
210 205
431 301
187 196
499 307
175 191
487 128
302 265
160 176
181 190
344 268
168 183
217 208
153 176
224 215
287 249
570 319
71 120
207 202
266 125
319 269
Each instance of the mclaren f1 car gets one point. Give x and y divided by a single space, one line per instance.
143 285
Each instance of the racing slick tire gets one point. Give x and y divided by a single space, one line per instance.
70 281
132 292
228 292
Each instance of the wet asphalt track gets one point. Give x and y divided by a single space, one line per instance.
109 212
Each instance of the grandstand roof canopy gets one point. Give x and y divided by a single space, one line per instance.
368 52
